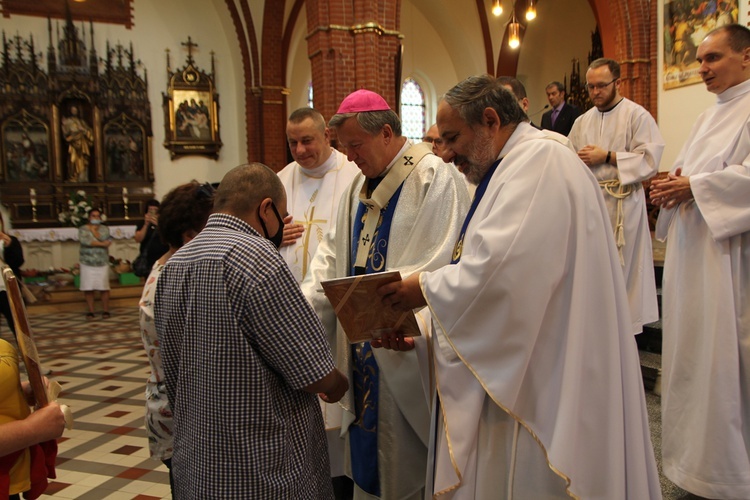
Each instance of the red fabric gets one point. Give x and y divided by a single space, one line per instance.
6 463
43 457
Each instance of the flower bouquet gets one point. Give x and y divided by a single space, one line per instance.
77 213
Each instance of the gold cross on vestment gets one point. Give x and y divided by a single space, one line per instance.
308 223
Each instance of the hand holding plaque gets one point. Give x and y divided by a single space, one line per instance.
359 308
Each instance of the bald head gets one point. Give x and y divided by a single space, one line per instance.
244 187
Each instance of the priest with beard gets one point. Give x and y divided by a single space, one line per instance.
538 390
621 144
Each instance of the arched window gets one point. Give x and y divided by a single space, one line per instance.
412 110
310 95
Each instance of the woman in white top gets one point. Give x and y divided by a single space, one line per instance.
182 215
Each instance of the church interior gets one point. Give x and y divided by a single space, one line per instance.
129 70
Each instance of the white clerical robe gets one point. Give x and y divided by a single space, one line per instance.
312 197
538 377
424 229
706 308
630 132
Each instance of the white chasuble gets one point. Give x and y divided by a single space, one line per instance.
312 199
706 308
425 224
537 371
630 132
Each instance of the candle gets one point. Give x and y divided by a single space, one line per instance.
32 196
125 195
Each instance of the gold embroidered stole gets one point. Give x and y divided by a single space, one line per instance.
382 195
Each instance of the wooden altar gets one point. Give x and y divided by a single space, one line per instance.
84 123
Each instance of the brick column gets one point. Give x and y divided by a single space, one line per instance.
631 40
352 44
273 91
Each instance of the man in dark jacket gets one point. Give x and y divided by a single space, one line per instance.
562 115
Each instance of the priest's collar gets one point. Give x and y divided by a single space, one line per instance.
399 155
732 92
321 169
611 107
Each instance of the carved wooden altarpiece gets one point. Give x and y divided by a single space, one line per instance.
83 124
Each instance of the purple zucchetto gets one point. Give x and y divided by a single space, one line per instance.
363 100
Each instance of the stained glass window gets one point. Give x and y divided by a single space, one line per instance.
310 95
412 110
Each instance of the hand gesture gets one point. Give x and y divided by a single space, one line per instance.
403 295
592 155
48 423
292 232
394 341
671 190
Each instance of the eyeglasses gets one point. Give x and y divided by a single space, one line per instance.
432 140
599 86
206 190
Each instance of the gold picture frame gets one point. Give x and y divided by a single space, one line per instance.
191 110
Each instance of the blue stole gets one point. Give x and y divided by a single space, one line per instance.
363 432
478 194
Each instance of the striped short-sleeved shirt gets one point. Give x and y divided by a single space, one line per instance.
239 343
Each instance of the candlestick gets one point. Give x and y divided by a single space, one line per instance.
125 201
32 198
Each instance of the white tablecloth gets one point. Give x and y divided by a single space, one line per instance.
66 233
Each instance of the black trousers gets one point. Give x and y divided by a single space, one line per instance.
5 310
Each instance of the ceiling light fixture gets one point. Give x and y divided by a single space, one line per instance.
497 8
531 11
514 31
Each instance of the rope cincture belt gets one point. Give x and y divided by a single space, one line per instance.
616 190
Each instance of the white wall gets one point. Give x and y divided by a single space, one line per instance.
298 69
546 53
427 59
159 25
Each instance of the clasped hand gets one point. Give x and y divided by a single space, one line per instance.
592 155
671 190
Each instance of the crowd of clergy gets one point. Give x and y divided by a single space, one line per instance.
525 255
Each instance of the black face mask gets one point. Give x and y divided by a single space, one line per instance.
276 238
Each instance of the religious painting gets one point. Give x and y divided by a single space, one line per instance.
25 148
106 11
191 110
686 23
77 139
192 116
124 152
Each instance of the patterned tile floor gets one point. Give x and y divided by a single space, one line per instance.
102 368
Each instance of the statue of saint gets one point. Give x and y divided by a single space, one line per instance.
80 138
